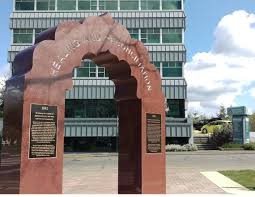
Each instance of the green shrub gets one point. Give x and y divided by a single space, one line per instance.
179 148
232 145
250 146
222 135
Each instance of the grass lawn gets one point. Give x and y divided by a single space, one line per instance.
245 178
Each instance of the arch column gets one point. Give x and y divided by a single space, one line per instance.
141 167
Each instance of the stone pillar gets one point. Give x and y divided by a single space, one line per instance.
33 135
141 147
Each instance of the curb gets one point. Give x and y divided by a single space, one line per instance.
85 155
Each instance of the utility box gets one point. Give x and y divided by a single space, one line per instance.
240 122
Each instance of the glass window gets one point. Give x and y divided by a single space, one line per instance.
176 108
87 4
102 72
45 5
172 35
90 69
157 65
90 108
108 4
23 36
172 69
38 31
24 5
87 69
66 4
150 4
129 4
134 33
171 4
150 35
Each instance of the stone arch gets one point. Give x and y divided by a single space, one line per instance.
42 74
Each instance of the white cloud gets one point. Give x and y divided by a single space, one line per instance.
218 76
252 92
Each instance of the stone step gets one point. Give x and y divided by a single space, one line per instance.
201 140
206 147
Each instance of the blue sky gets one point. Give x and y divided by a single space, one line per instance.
203 17
5 10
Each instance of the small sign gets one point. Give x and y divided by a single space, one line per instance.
43 131
153 129
237 129
237 111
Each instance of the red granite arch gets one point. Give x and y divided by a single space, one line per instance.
42 74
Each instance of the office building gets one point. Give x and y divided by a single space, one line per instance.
91 121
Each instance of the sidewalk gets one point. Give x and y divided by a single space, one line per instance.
226 183
200 152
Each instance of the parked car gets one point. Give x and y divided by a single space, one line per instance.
203 122
198 125
209 128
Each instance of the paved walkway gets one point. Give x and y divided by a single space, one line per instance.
191 182
98 173
104 181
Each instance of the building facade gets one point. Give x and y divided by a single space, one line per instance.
91 121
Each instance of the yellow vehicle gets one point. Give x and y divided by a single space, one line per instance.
208 128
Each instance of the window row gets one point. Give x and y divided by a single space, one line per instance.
98 5
169 69
157 35
91 70
106 108
148 35
90 108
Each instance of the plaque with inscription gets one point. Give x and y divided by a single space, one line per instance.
43 131
153 129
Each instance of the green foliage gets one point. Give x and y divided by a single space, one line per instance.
250 146
179 148
222 135
252 122
196 116
222 112
243 177
232 145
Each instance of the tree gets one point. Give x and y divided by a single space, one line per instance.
222 135
222 112
3 79
2 89
252 122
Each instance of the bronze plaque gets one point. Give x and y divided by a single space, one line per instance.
153 128
43 131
